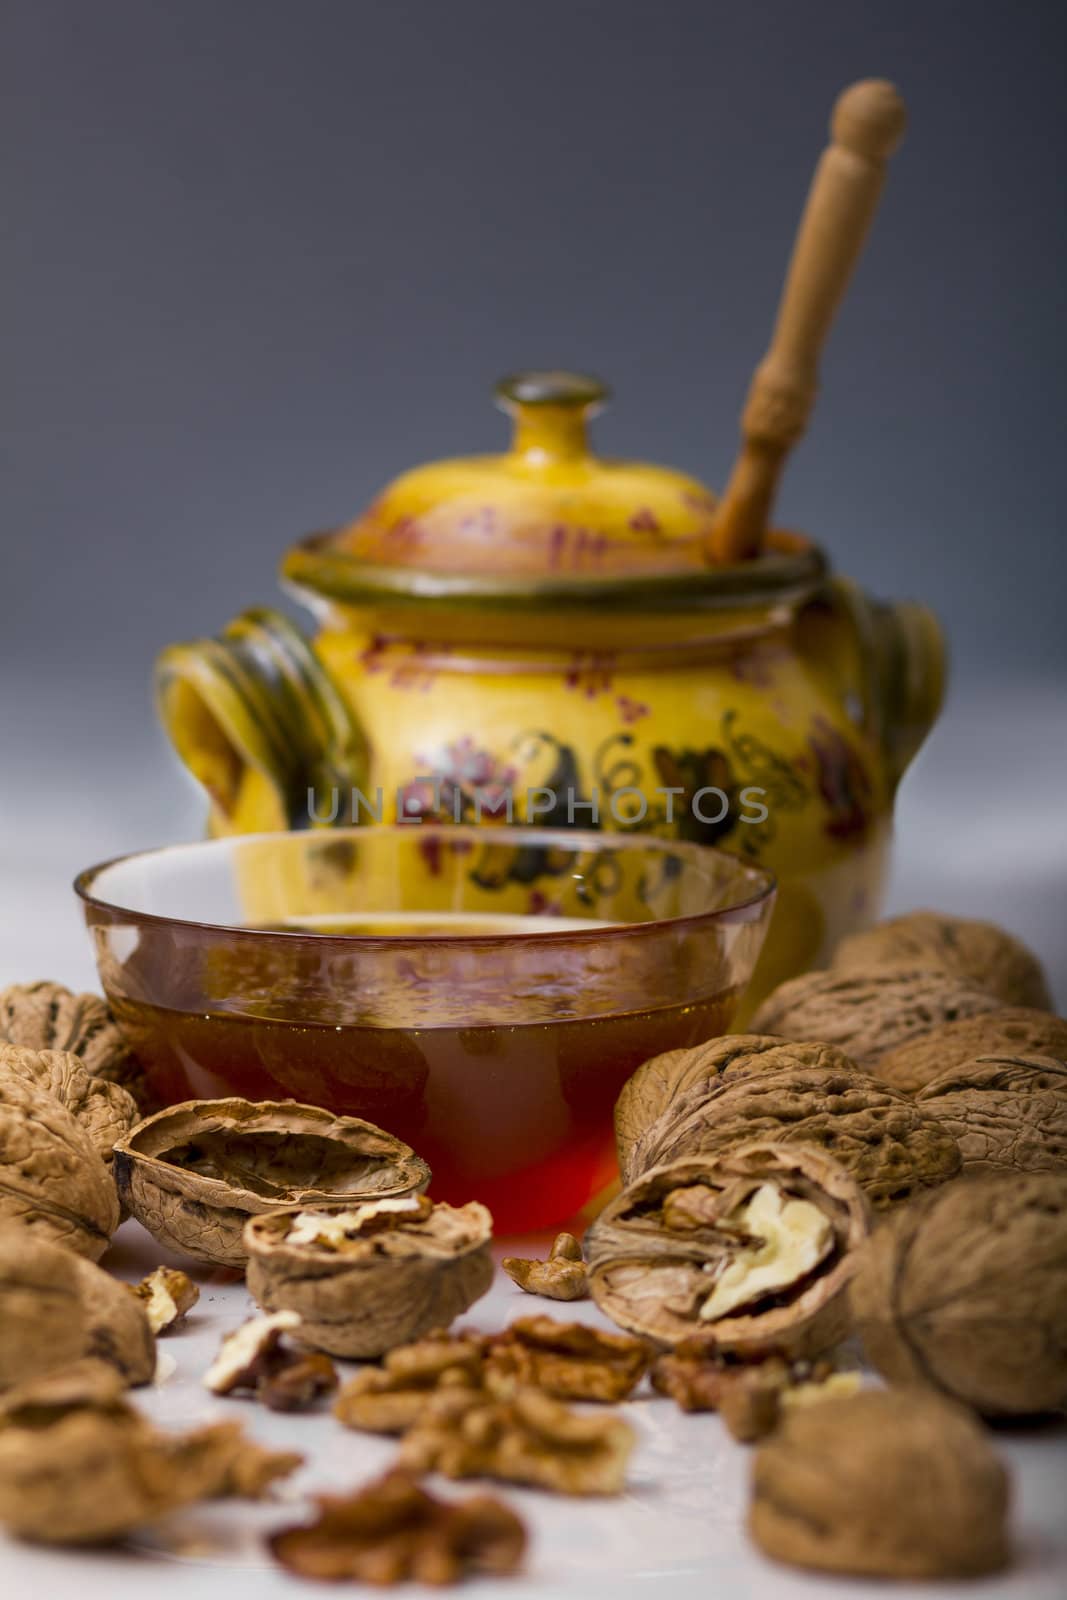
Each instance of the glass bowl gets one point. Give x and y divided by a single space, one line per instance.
483 992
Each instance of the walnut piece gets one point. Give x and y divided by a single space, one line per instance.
79 1465
560 1277
756 1243
389 1398
52 1181
103 1110
56 1308
886 1483
966 1292
256 1359
569 1361
167 1296
46 1016
889 1147
526 1438
992 958
366 1279
686 1077
1006 1113
566 1360
1012 1032
869 1011
750 1393
194 1173
393 1531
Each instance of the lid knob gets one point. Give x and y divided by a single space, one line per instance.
551 410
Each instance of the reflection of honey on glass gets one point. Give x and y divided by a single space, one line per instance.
518 1115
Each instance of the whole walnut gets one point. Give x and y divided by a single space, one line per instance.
46 1016
886 1144
888 1483
52 1180
1015 1031
103 1110
1006 1113
673 1077
79 1465
867 1012
965 1291
992 958
56 1308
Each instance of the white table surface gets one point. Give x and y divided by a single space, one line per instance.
980 830
677 1531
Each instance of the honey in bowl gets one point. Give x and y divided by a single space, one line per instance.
489 1022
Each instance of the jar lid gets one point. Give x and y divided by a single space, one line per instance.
547 507
547 522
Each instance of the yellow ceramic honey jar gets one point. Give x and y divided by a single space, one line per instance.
544 635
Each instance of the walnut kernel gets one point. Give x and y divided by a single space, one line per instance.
393 1531
560 1277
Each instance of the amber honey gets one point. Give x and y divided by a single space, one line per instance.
485 1002
519 1117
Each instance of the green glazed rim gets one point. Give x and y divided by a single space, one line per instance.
791 571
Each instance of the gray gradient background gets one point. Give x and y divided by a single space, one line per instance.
260 256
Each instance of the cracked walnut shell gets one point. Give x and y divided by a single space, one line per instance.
992 958
869 1011
660 1088
52 1180
368 1277
103 1110
79 1465
886 1483
194 1173
46 1016
393 1531
888 1145
56 1308
1014 1031
756 1245
1006 1113
966 1292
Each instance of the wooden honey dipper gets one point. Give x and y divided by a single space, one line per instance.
866 127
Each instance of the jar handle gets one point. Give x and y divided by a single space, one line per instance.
257 698
887 661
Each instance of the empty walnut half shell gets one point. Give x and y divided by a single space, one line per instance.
369 1277
194 1173
755 1245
